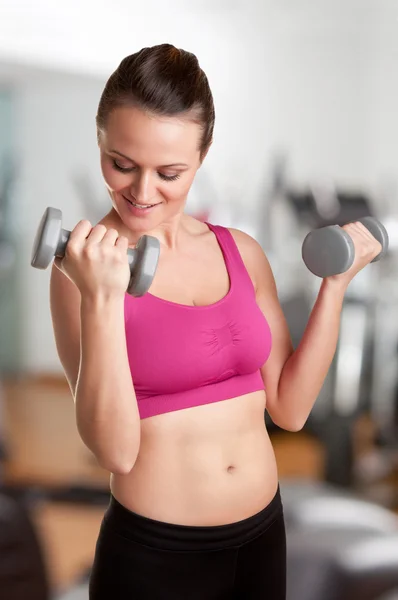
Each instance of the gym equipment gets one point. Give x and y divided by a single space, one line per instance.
51 241
330 250
313 504
322 206
339 546
341 564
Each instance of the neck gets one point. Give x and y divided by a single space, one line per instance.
169 233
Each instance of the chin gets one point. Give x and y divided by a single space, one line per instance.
139 222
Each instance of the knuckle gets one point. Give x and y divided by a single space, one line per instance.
360 226
120 259
350 229
112 232
100 228
367 248
89 251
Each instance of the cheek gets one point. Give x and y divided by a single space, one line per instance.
175 190
183 185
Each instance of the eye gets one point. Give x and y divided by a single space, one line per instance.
169 177
120 168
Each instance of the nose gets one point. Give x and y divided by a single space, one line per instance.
143 188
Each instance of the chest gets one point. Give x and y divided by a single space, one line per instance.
198 277
173 347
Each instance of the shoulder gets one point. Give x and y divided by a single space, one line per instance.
246 243
254 257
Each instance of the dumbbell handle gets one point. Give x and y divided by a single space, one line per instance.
63 241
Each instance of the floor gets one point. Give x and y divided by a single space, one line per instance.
45 450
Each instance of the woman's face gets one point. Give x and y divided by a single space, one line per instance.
148 164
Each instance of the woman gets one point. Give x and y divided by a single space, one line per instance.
170 389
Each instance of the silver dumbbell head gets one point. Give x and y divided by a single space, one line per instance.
46 239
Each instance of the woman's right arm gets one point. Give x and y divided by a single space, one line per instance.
91 344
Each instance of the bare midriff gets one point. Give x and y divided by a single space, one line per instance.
208 465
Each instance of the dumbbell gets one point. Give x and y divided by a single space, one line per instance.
330 250
51 240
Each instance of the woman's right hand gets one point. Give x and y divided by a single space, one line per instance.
96 260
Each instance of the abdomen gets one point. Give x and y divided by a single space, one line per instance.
209 465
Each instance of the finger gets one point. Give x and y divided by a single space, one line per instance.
97 234
357 234
110 237
360 233
81 231
361 228
122 243
358 229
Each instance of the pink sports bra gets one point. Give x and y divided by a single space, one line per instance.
184 356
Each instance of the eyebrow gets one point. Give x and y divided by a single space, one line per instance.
161 166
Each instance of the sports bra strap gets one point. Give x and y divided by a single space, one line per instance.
236 267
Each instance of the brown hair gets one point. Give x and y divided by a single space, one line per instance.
163 80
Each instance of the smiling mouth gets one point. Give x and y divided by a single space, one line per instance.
140 206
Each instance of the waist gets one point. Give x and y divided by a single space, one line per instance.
175 537
223 476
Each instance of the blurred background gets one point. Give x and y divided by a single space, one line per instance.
306 95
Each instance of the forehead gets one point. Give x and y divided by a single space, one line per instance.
150 139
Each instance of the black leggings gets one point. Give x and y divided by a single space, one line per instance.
138 558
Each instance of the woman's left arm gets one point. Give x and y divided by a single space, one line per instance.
293 379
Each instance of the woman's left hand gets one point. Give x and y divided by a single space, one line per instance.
366 249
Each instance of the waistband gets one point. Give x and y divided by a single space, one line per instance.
176 537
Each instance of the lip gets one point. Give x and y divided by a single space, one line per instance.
139 211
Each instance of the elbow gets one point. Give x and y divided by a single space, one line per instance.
115 460
285 414
293 426
117 456
122 468
288 422
117 466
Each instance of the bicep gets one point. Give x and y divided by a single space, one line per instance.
65 314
